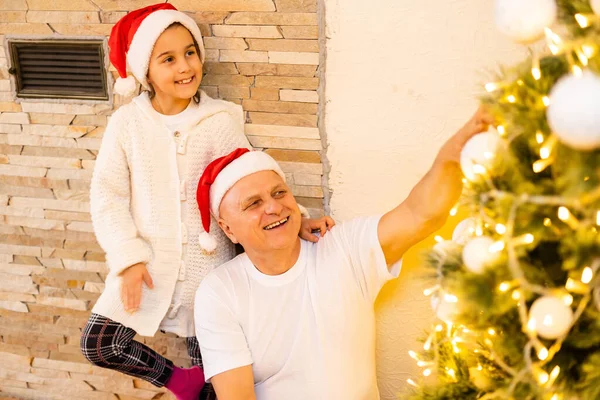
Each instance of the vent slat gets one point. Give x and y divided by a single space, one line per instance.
29 63
66 57
65 71
59 77
54 69
41 82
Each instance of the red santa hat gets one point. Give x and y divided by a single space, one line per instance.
220 176
133 37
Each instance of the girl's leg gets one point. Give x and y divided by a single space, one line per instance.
193 348
109 344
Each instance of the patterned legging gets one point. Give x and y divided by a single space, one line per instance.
109 344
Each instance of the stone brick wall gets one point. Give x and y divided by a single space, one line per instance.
263 54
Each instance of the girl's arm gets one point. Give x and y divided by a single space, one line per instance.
110 197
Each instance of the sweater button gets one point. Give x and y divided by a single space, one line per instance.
176 134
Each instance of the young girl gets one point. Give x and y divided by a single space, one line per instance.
142 198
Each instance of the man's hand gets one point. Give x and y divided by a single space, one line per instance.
479 122
309 226
131 286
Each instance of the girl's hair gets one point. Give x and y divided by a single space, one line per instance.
196 98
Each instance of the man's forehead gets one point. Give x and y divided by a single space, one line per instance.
255 184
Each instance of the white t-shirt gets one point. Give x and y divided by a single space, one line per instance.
309 333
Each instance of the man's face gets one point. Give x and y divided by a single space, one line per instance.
260 213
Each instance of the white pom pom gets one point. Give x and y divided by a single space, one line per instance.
207 242
125 86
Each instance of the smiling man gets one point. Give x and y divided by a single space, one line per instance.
294 320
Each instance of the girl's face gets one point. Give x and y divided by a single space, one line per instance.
175 70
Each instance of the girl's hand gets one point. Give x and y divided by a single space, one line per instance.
322 225
131 286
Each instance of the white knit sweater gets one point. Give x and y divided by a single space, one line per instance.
135 204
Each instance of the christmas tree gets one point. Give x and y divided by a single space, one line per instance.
517 289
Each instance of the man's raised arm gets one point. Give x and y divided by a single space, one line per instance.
426 208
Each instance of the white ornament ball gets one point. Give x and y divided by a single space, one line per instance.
524 20
444 309
550 317
574 111
477 254
479 151
465 230
595 6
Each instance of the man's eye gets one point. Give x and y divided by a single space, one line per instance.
253 204
280 193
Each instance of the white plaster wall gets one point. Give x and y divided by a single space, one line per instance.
401 76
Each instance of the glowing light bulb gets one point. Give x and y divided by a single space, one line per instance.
587 275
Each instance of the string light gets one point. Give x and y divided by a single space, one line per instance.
565 215
542 377
539 137
501 130
411 382
554 374
450 298
501 229
429 291
427 345
582 57
497 246
516 295
587 275
453 211
438 239
491 331
535 69
588 50
545 152
542 353
567 299
451 373
491 87
547 222
426 372
546 100
511 98
582 20
504 287
577 71
597 217
528 238
541 165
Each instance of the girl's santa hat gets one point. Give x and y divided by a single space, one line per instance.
133 37
220 176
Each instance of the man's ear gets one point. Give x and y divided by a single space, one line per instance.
225 227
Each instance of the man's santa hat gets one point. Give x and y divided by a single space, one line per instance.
132 40
220 176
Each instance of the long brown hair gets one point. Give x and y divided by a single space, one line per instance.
151 92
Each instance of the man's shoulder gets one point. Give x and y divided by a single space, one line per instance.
226 274
348 229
